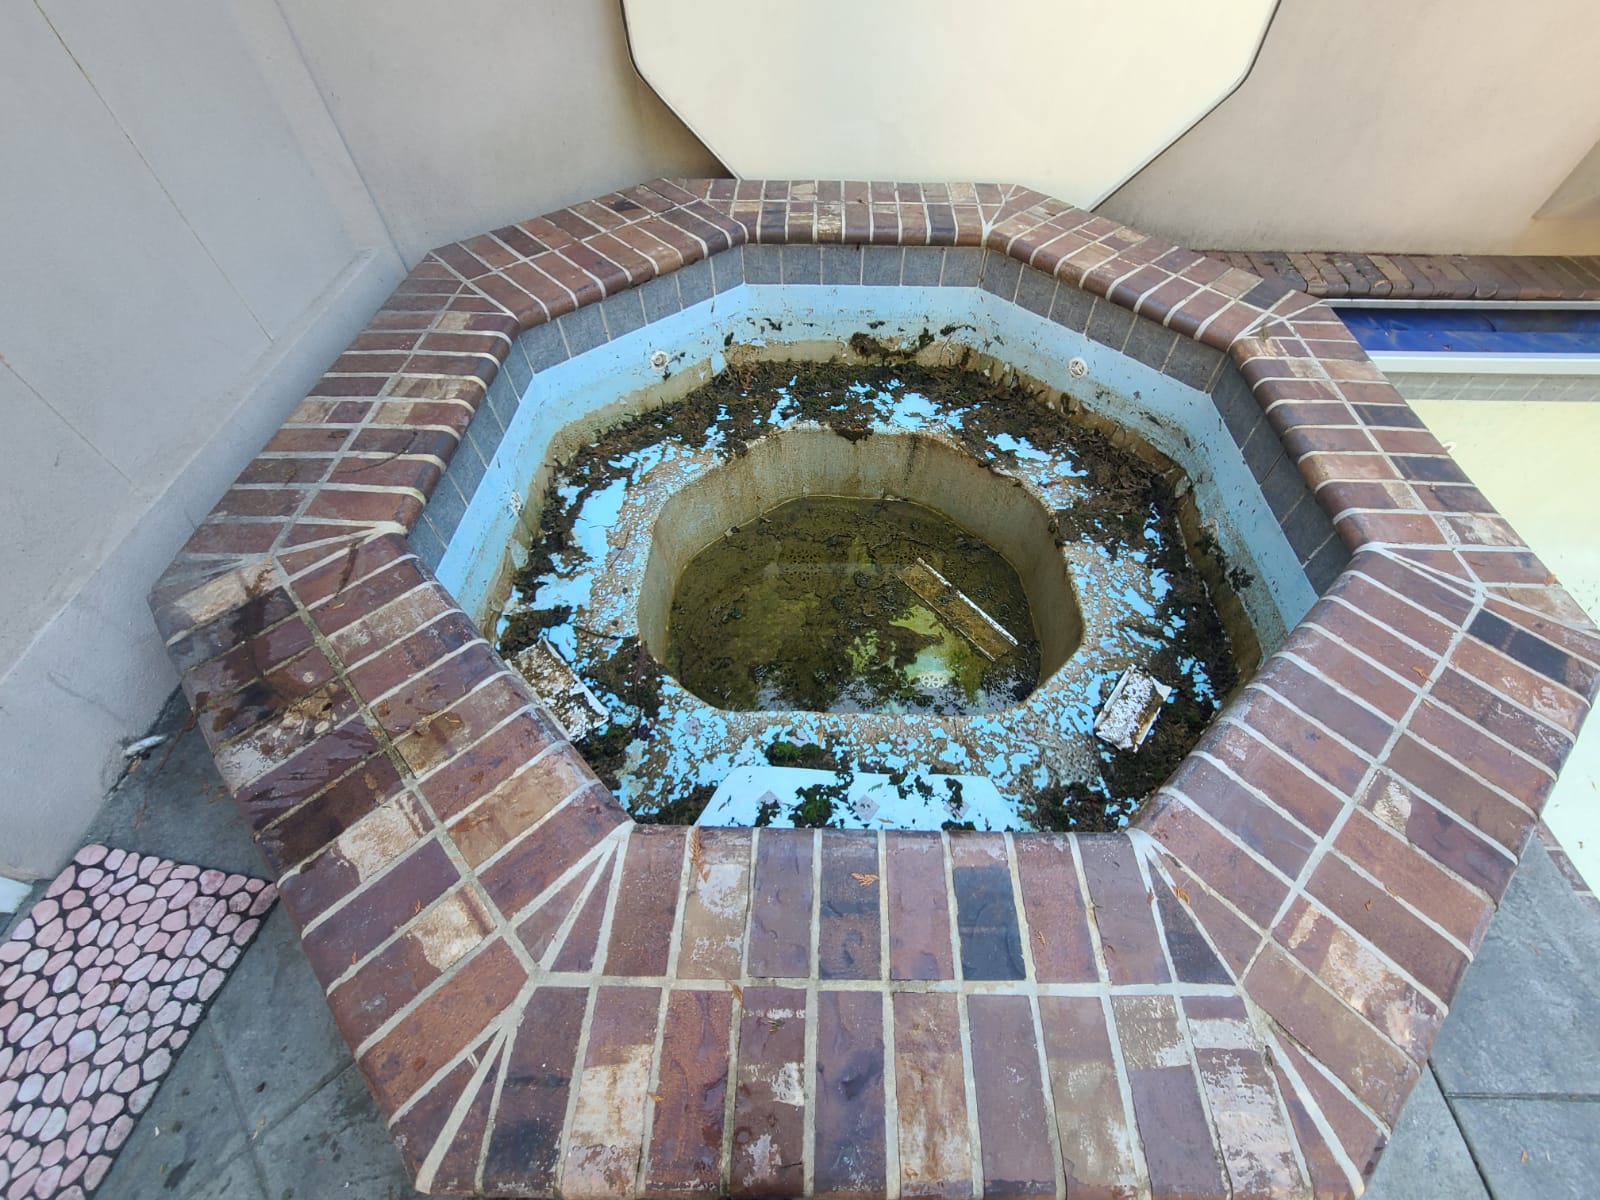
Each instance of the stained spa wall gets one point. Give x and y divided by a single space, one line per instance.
200 205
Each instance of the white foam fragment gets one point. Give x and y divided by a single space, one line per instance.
1131 712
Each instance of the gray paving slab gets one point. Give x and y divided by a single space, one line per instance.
1427 1155
1527 1018
191 1126
237 1179
333 1145
1534 1149
278 1041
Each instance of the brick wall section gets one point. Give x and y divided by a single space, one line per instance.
1339 275
1234 998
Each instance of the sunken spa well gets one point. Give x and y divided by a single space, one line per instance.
853 570
873 592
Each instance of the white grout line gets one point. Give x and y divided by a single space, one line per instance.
891 1075
1030 983
355 664
581 1051
1286 1122
483 800
1181 1020
493 1117
730 1091
1227 769
1125 1087
1330 1137
652 1094
603 867
1153 851
970 987
1230 835
1297 888
957 985
808 1118
463 1105
674 945
611 844
816 904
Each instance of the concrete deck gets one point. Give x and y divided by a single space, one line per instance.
265 1102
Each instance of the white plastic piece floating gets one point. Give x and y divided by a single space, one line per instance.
957 610
143 746
1131 712
567 697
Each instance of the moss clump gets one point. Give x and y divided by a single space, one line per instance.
1075 808
633 677
606 751
810 755
525 625
817 801
683 810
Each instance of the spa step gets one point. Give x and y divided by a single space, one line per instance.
917 800
958 611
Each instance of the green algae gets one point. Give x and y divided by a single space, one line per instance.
805 608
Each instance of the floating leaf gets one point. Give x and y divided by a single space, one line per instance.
863 880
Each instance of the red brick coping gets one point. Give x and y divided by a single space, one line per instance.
1341 275
1234 998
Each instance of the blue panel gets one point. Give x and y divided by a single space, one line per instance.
1475 330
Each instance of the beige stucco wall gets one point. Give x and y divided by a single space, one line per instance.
202 202
1067 96
463 118
1432 126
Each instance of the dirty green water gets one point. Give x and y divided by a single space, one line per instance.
808 607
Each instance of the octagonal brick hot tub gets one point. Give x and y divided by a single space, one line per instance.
1232 996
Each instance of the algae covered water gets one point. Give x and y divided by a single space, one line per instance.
827 604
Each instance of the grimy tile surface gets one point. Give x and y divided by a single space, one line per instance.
1234 997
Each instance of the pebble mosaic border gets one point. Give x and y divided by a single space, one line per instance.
100 985
1233 998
